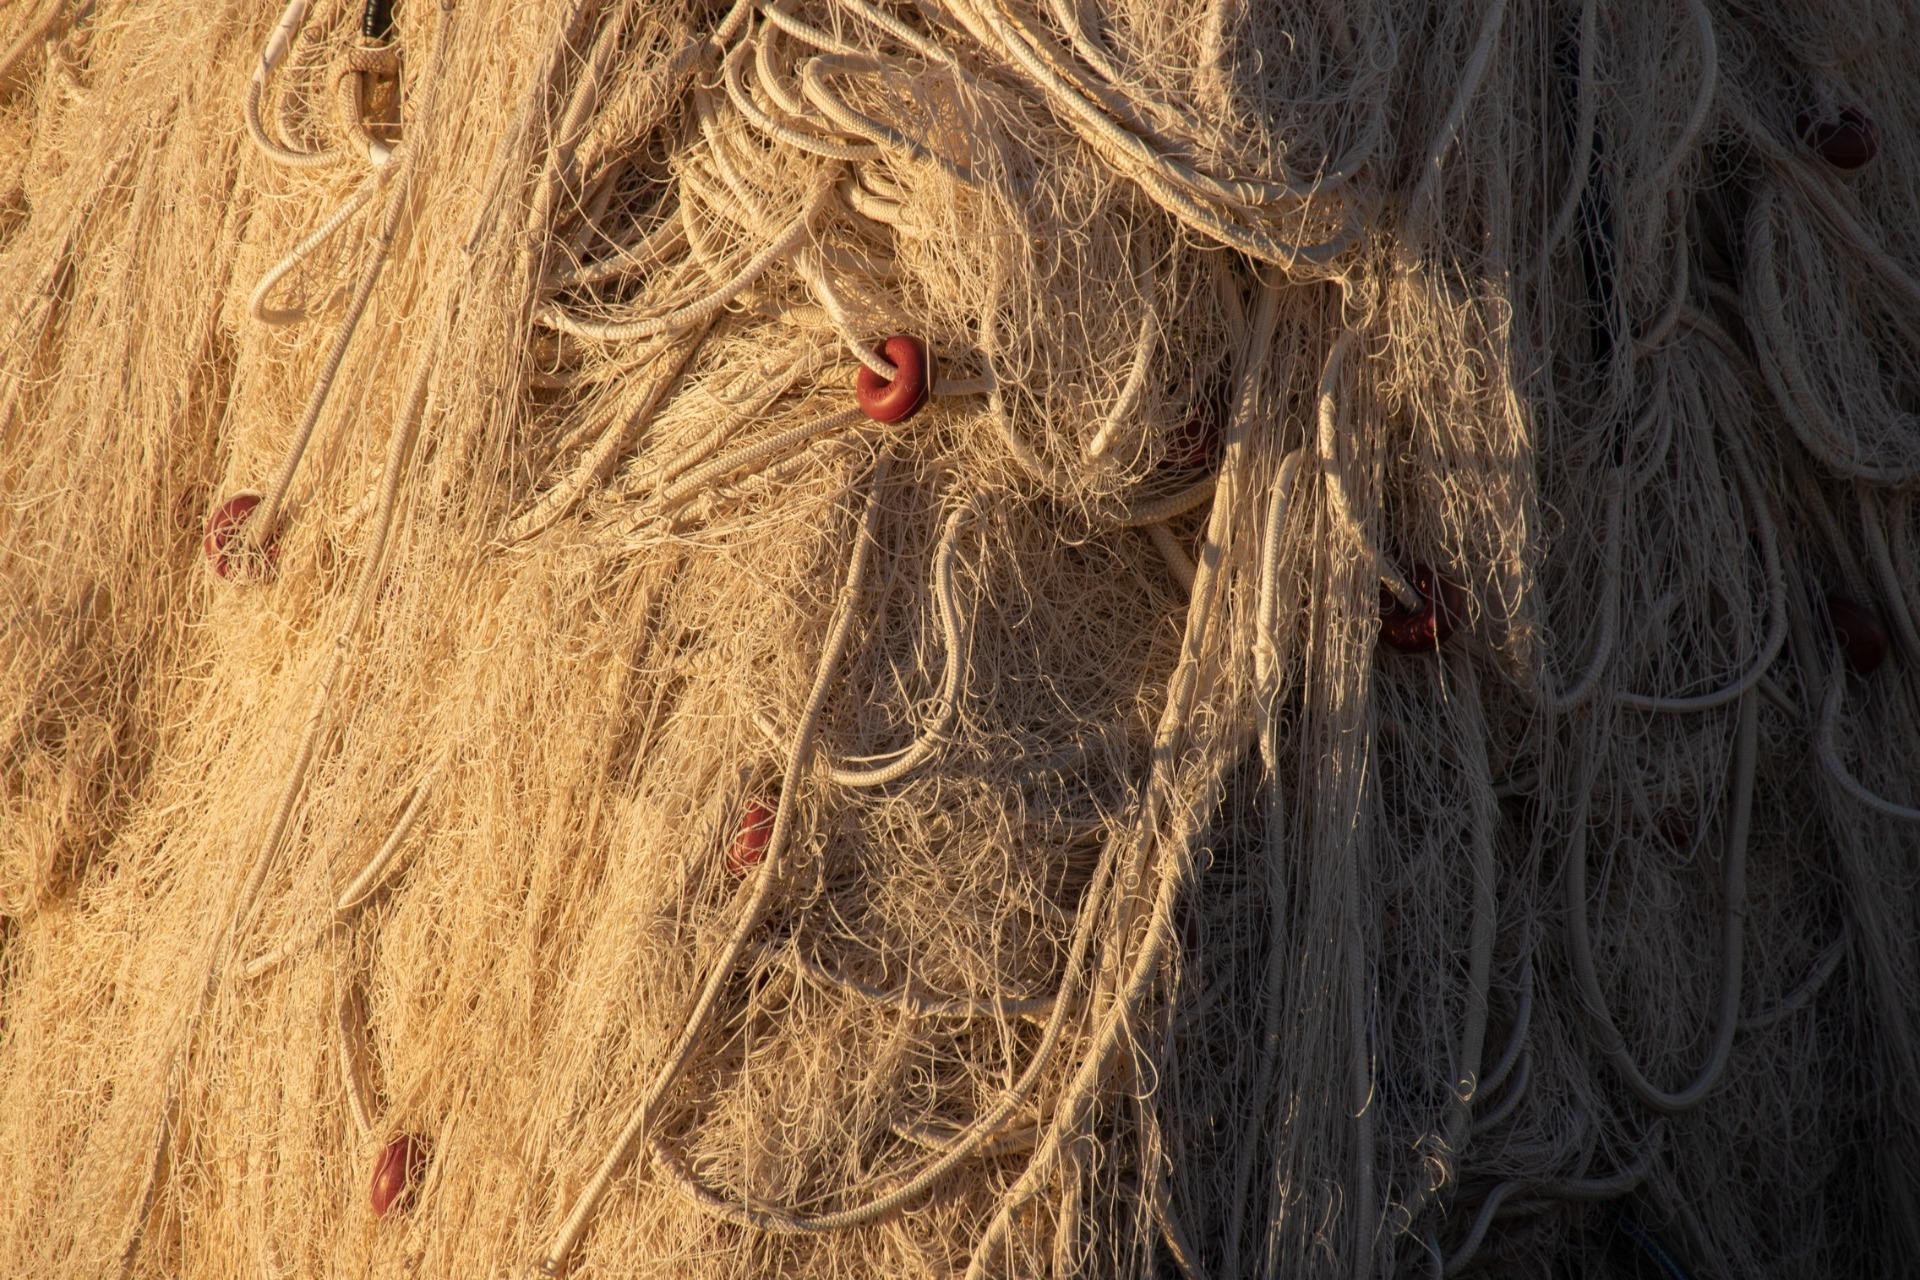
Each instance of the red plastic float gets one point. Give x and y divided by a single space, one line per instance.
1863 641
1848 141
901 398
750 842
1443 605
223 526
396 1174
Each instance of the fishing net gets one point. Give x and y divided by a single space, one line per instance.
971 637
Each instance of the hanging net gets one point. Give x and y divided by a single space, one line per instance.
959 638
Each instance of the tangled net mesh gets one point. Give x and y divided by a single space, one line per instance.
1365 728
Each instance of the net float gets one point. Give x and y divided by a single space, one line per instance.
223 526
750 842
1863 641
1443 604
1848 141
396 1174
901 398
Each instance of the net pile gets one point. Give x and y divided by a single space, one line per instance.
1340 701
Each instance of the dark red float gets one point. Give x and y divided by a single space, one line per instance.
1848 140
901 398
1443 606
750 842
396 1174
223 527
1863 641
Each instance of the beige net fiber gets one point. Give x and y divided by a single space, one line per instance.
959 638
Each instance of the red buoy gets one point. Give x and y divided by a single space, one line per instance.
750 842
1443 606
1848 141
223 526
1863 641
396 1174
900 399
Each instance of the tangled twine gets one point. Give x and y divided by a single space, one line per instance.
1337 700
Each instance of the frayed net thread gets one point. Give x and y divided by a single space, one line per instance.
705 830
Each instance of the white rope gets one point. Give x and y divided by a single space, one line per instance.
931 738
703 309
1776 635
291 20
257 306
1829 757
1733 933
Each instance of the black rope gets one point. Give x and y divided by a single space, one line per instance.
376 22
